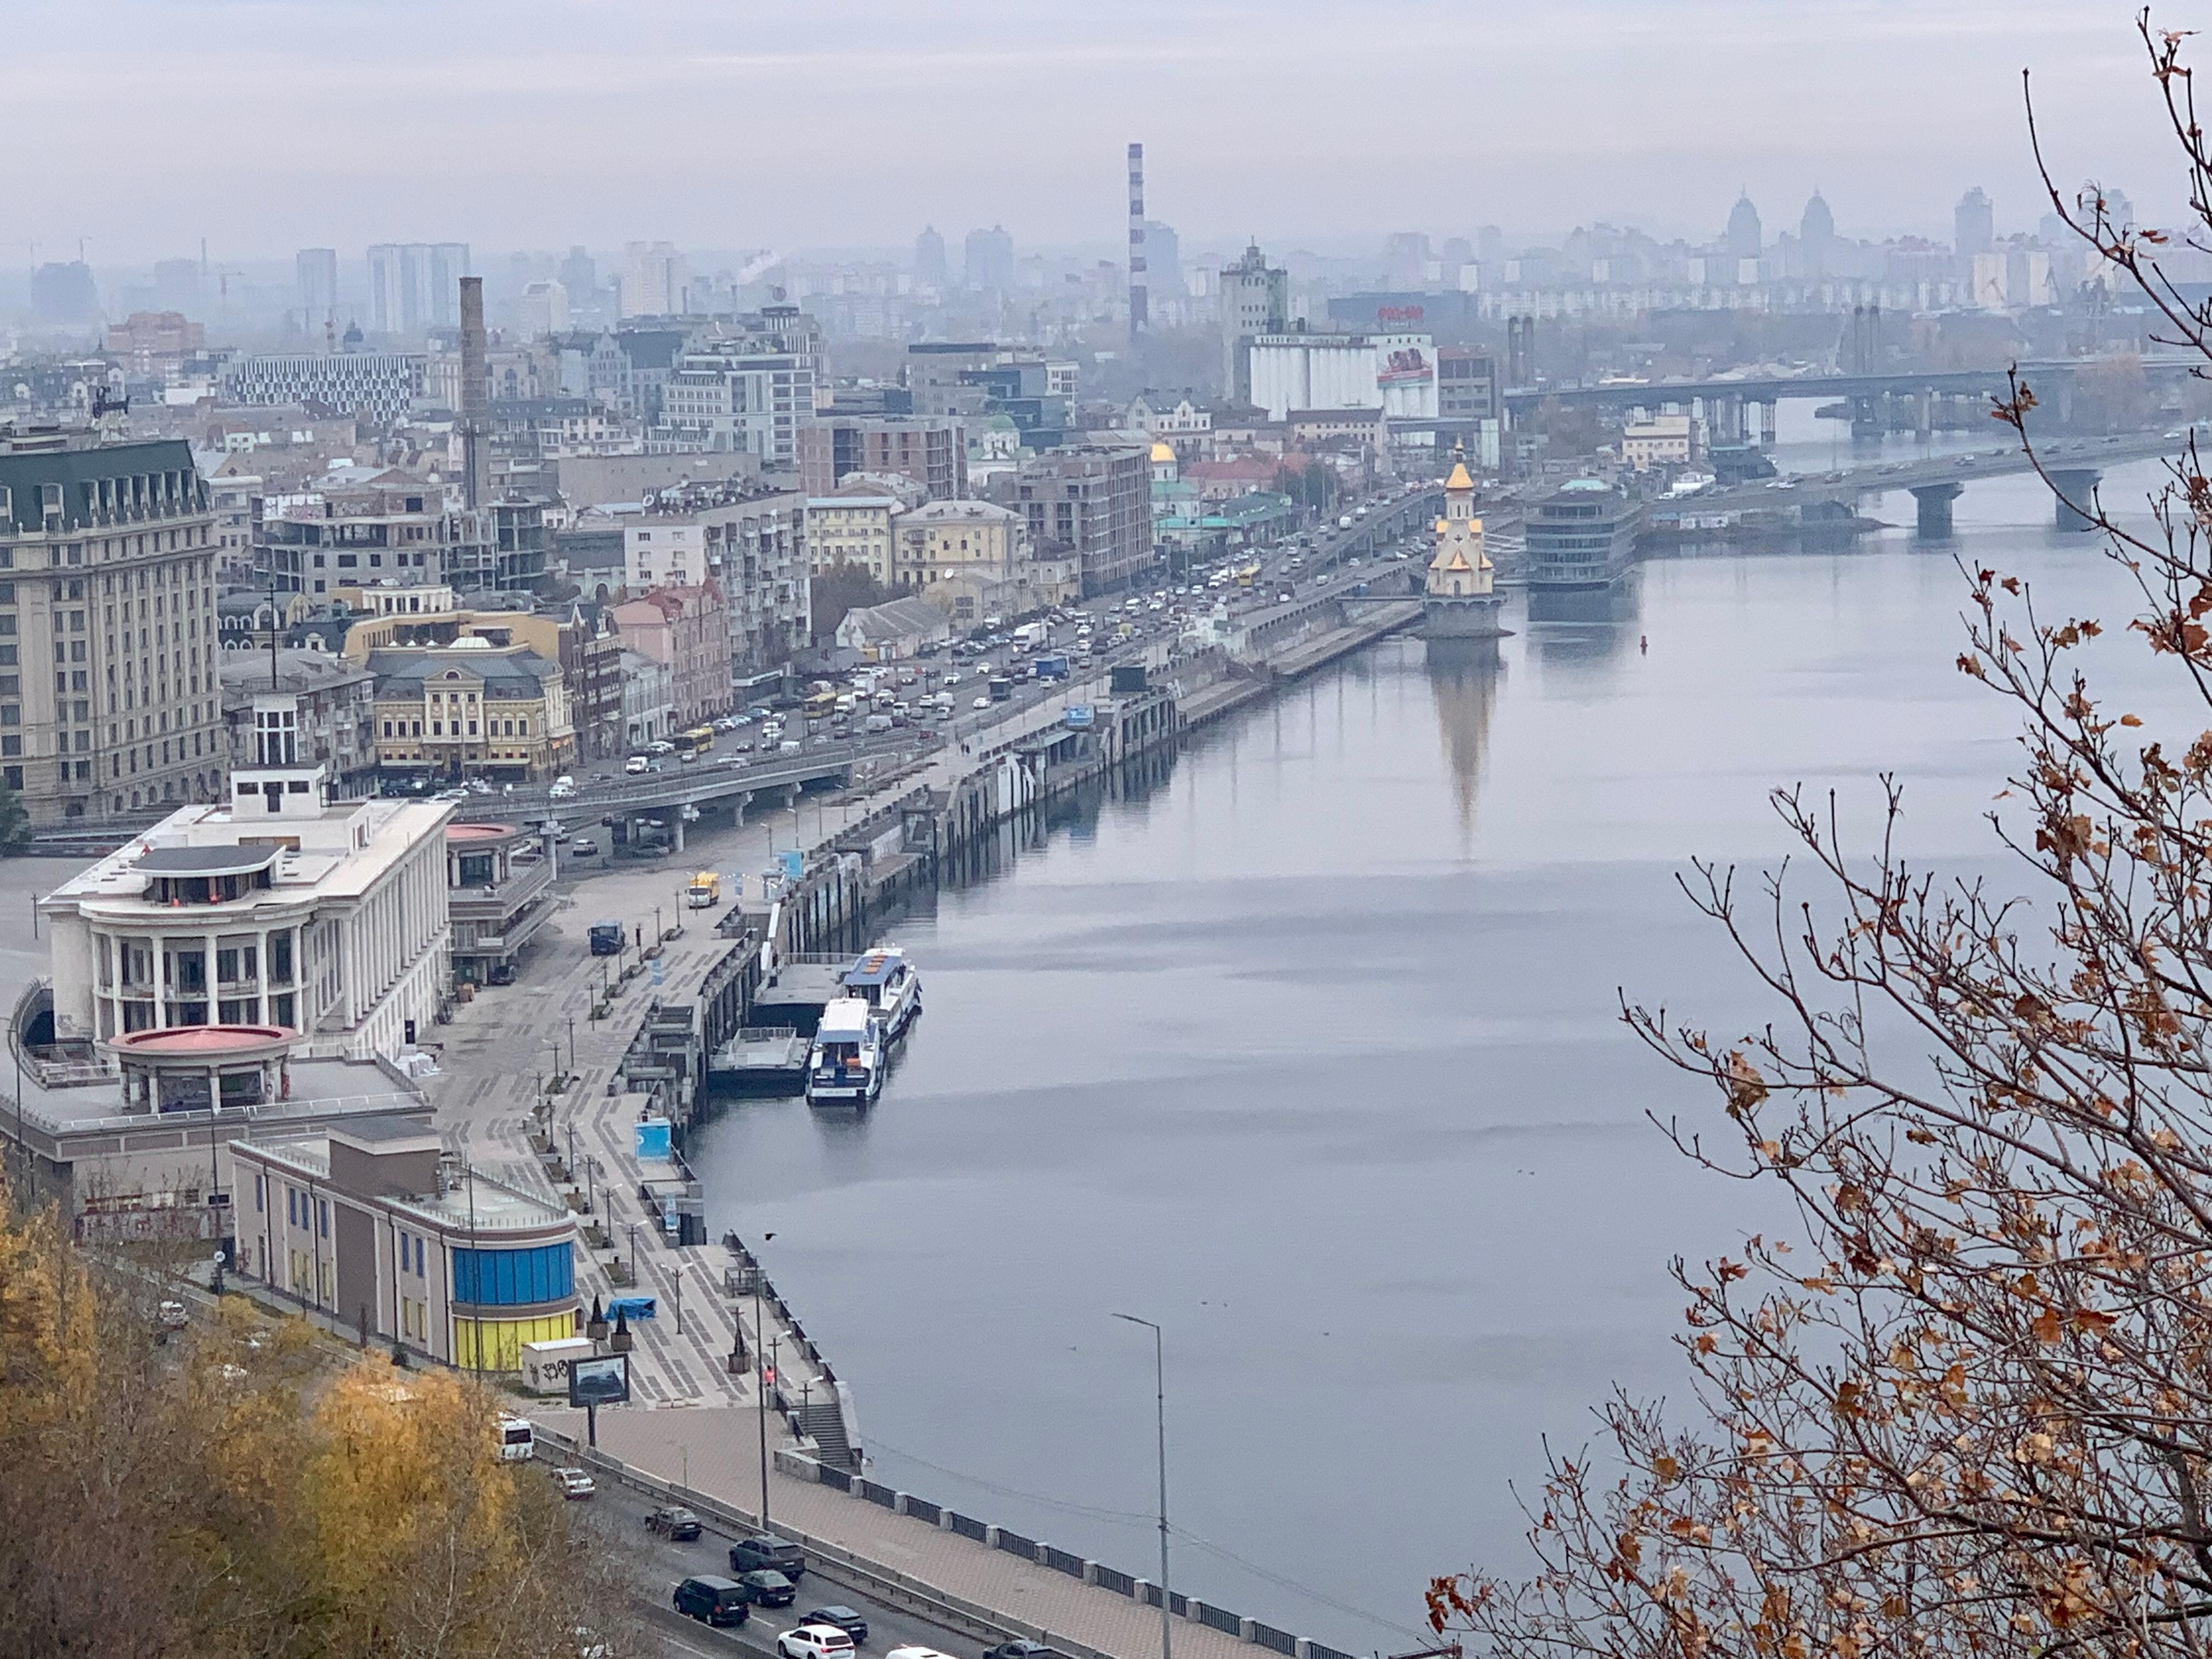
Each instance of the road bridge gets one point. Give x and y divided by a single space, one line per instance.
2075 466
1739 408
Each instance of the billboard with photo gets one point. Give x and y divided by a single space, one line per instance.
604 1380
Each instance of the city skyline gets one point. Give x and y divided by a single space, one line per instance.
1596 112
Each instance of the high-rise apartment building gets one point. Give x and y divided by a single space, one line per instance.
1255 299
1973 224
542 310
1092 499
751 392
413 286
929 268
928 449
656 281
990 261
109 698
315 287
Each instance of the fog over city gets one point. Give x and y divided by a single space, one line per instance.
265 125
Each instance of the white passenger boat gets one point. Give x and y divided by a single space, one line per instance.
884 980
845 1065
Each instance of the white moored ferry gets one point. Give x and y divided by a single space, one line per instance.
845 1065
884 980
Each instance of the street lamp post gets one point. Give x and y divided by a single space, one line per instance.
676 1281
1160 1400
760 1379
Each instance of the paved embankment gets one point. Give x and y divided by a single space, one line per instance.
968 1579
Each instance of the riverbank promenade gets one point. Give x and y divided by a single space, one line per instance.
719 1447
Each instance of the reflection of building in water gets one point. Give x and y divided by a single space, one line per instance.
1587 624
1464 674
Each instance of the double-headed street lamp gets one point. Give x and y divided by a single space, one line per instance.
1160 1399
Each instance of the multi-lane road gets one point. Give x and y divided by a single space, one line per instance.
656 1564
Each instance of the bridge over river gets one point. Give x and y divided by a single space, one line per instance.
2074 465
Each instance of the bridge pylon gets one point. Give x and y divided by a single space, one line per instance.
1935 503
2076 489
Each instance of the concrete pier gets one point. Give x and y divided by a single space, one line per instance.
2076 489
1935 502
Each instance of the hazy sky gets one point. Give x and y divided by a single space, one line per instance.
267 125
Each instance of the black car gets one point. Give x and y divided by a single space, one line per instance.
769 1587
716 1601
751 1554
680 1524
840 1618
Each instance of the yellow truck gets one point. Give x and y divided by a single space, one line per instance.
705 891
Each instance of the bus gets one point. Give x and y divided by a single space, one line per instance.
1246 575
821 706
690 745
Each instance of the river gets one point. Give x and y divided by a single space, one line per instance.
1310 1053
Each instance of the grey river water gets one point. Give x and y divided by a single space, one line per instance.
1309 1053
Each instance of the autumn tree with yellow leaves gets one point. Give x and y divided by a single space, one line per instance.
240 1490
1971 1413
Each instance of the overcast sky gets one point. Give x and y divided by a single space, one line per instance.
268 125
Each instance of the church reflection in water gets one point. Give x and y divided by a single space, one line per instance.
1463 676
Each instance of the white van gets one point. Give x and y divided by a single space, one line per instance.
518 1439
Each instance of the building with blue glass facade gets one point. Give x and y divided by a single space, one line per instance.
376 1225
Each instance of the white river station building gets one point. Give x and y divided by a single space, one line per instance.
279 907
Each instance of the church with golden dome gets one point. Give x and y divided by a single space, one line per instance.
1459 600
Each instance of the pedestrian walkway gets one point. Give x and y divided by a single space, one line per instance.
720 1449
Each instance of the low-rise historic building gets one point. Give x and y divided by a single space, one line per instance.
688 629
471 709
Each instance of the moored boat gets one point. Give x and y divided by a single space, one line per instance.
884 980
845 1064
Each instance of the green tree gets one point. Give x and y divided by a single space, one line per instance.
15 820
841 588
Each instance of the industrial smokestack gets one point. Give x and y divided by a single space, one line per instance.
472 410
1139 298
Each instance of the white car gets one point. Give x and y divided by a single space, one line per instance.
815 1642
574 1484
981 703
